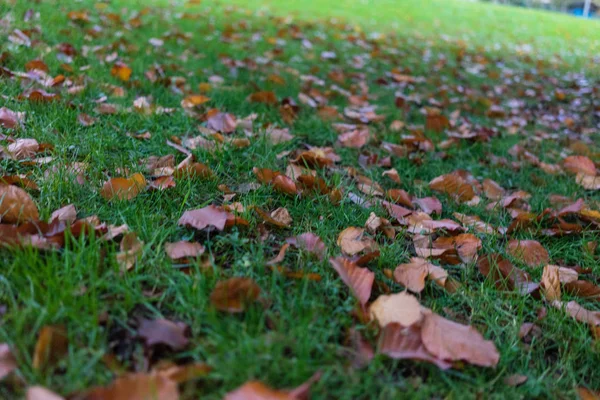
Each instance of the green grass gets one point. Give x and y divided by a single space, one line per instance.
305 325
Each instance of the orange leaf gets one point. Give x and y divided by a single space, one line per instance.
121 71
123 188
51 346
529 252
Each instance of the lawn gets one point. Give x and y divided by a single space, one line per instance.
465 170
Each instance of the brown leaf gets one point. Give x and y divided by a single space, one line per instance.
309 242
183 249
280 256
131 251
352 241
121 71
163 331
429 205
282 222
412 276
361 351
41 393
578 312
8 363
266 97
359 280
222 122
283 184
138 386
185 373
277 136
401 343
580 164
123 188
551 283
51 346
205 217
67 214
492 189
162 183
515 380
10 119
529 252
375 224
23 148
86 120
393 175
16 206
453 185
505 275
583 289
588 182
587 394
401 308
282 216
234 294
451 341
194 100
40 96
355 139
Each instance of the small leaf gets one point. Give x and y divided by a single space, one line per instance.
123 188
163 331
51 346
234 294
16 206
121 71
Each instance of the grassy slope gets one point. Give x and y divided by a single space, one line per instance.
489 25
304 328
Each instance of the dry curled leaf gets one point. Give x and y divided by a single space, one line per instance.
131 249
578 312
234 294
352 241
551 283
309 242
359 280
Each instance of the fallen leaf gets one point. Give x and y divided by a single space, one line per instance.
10 119
222 122
280 256
399 342
359 280
234 294
393 175
265 97
66 214
209 216
578 312
580 164
451 341
412 276
131 249
123 188
16 206
22 149
163 331
51 346
183 249
282 216
401 308
137 386
583 289
352 241
551 283
309 242
453 185
529 252
121 71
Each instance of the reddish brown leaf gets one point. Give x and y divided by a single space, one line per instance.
86 120
453 185
131 251
285 185
162 183
352 241
16 206
412 276
465 244
183 249
529 252
583 289
222 122
23 148
355 139
136 386
450 341
123 188
67 214
505 275
234 294
279 218
280 256
401 343
10 119
359 280
163 331
492 189
578 312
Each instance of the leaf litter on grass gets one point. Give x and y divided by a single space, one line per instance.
302 146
